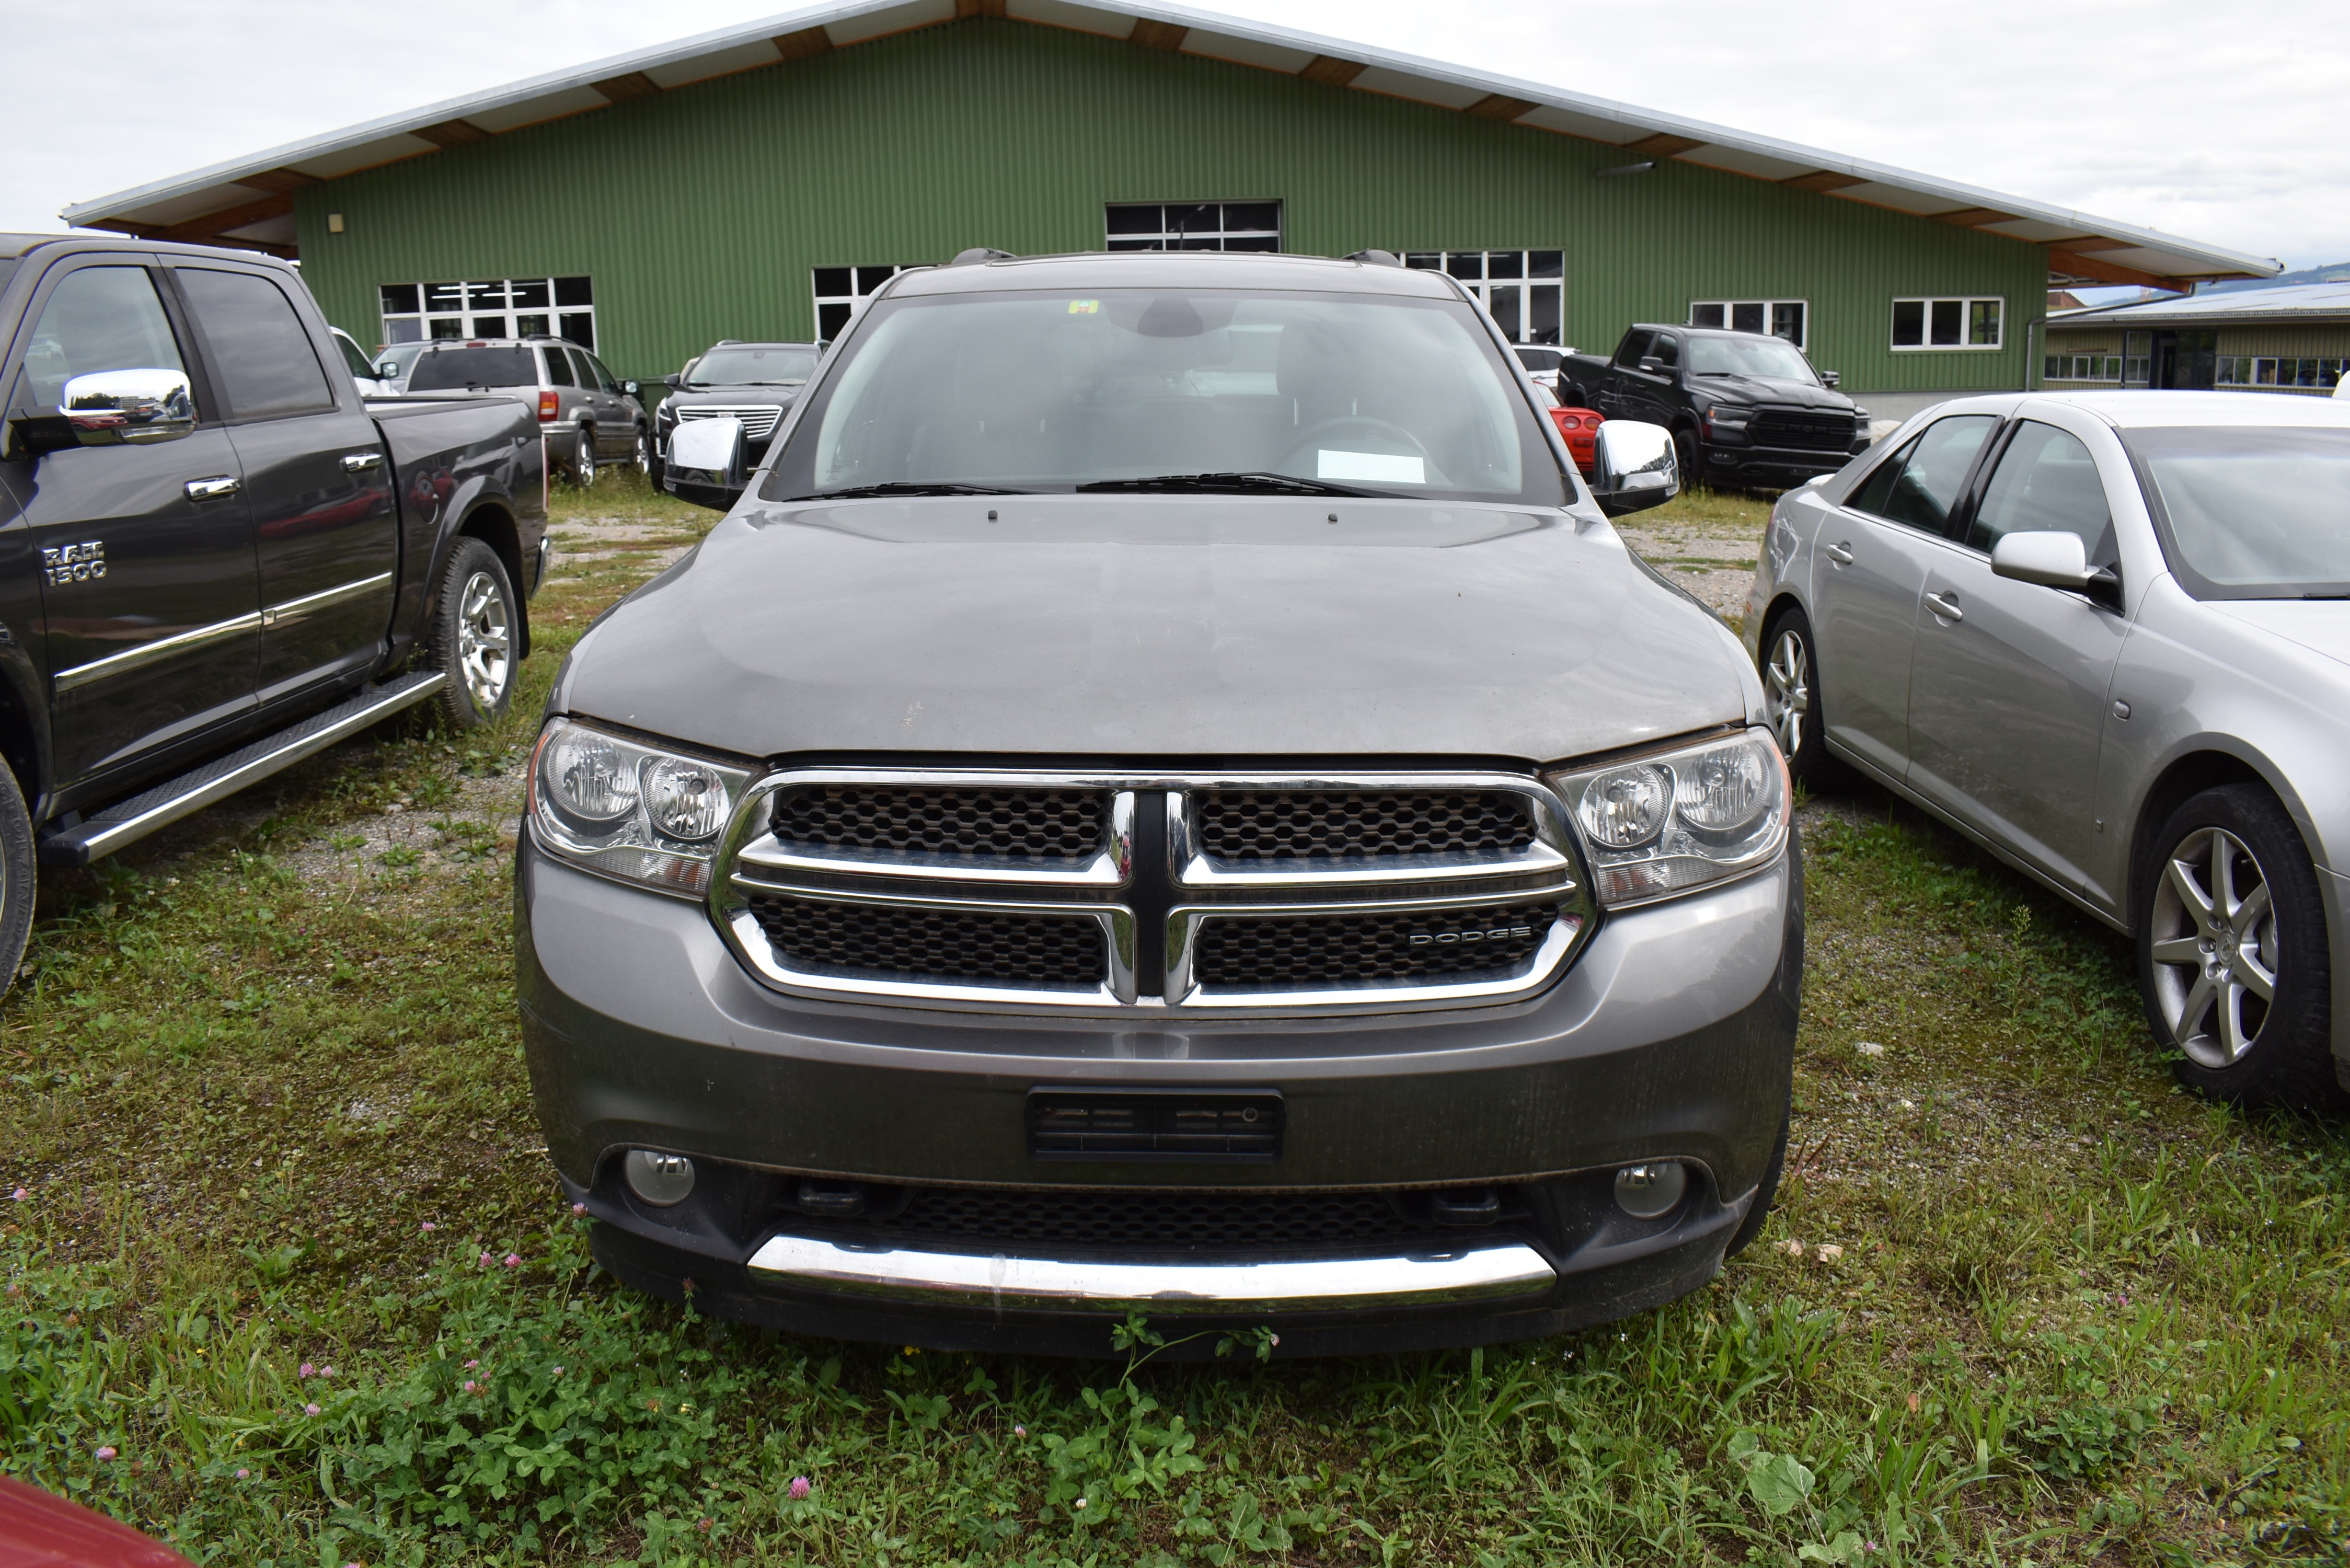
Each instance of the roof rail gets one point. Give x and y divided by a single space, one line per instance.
1373 258
979 254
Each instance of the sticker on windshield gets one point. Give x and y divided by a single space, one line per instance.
1085 307
1379 467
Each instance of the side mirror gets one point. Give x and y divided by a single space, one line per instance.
1831 379
2052 558
129 408
631 388
705 462
673 381
1652 365
1633 467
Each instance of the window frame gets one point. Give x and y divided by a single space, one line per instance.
1770 308
1223 233
1524 285
559 318
1961 516
865 280
1966 304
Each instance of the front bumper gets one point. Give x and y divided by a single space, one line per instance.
1671 1036
1783 467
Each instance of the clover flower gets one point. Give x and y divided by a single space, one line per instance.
429 1226
1019 1431
514 1260
309 1409
471 1364
244 1474
107 1452
472 1387
800 1488
558 1371
307 1371
20 1194
578 1210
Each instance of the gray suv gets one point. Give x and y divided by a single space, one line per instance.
589 417
1165 792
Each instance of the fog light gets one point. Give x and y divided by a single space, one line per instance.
1644 1191
662 1179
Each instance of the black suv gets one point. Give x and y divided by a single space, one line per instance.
1745 408
754 382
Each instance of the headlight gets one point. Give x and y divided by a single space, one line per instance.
630 810
1686 819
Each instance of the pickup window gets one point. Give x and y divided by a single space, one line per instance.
97 318
260 354
450 368
1628 352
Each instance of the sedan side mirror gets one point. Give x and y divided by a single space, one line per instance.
1633 467
2052 558
705 462
129 408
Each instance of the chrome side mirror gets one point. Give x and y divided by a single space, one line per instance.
705 462
128 407
1831 379
1633 467
2052 558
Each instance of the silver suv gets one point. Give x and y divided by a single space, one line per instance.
589 417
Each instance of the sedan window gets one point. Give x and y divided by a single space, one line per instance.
2250 513
1918 484
2046 482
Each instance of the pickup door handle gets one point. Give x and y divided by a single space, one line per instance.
1841 553
216 489
362 461
1945 607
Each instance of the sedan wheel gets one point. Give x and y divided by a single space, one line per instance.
2232 952
1787 687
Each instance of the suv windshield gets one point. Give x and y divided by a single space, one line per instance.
448 368
741 367
1377 395
1771 358
2251 514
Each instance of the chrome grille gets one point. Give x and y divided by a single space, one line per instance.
1803 431
1261 892
759 419
1331 825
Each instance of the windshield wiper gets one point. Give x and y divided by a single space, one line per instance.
1229 484
909 487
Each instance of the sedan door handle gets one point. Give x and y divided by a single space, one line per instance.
216 489
362 461
1948 608
1841 553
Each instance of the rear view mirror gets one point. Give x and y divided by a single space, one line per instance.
673 381
631 388
1633 467
129 408
705 462
1652 365
1831 378
2054 559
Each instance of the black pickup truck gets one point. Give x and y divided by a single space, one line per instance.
215 559
1745 408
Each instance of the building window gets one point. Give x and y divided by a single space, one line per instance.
1524 291
841 293
497 307
2303 374
1947 323
1194 225
1788 318
2084 367
2138 358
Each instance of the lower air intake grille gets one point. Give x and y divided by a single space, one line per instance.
1286 825
1803 432
972 947
1309 951
1147 1220
1005 824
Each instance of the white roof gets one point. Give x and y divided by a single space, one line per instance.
2293 302
250 199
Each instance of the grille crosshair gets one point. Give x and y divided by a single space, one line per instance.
1315 825
977 947
1299 952
1005 824
1144 1219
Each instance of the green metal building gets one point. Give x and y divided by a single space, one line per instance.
758 182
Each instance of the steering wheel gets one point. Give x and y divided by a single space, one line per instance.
1390 435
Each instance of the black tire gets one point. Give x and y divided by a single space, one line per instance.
644 453
1691 461
1766 1193
19 877
2203 993
583 458
1789 665
475 633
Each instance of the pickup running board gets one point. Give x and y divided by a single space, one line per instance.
141 814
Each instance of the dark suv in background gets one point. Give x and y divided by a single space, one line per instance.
754 382
1745 408
587 416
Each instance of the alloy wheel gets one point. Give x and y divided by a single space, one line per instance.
582 465
644 453
2215 946
483 641
1787 688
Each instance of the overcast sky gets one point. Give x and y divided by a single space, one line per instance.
2224 124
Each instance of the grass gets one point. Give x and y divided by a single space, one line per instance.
2022 1302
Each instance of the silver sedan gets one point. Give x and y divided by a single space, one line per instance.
2105 635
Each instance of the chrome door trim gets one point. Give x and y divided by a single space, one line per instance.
1424 1277
1185 922
271 615
146 653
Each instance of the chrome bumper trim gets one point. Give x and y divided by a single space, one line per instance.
1429 1278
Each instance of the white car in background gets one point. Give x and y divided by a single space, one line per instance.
363 370
2107 636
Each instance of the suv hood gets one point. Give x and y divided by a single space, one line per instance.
782 395
1081 626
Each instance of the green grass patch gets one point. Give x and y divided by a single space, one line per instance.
2024 1302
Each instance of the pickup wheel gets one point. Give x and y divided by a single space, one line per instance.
475 617
1691 457
2231 952
18 875
583 458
